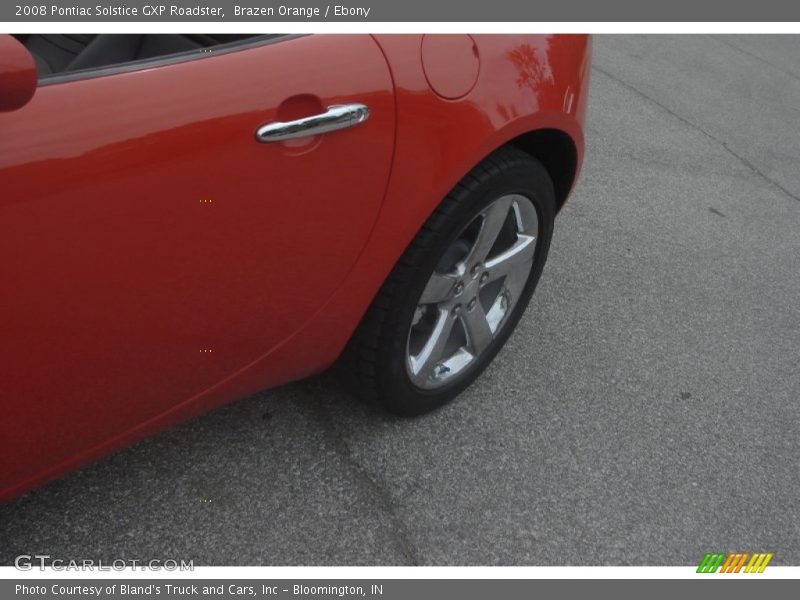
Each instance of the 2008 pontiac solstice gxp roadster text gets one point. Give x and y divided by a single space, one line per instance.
187 219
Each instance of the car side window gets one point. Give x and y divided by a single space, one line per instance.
57 55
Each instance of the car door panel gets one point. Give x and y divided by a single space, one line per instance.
153 247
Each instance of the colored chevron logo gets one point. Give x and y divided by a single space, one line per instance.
733 563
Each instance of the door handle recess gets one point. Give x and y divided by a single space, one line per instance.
334 118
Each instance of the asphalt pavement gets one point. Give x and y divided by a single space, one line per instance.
645 411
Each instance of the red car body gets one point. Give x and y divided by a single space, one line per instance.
158 262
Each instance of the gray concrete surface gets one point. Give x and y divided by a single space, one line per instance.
645 412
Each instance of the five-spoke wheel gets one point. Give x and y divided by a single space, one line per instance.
468 297
458 291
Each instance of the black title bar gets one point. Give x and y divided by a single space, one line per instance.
464 11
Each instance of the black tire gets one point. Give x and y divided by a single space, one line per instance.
377 352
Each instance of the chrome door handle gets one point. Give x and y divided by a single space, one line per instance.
334 118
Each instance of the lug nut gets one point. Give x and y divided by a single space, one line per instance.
472 304
459 288
475 270
456 309
485 277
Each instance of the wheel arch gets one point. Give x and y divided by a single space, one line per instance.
557 152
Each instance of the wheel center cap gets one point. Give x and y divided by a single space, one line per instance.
466 292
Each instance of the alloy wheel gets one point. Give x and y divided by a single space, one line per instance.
472 292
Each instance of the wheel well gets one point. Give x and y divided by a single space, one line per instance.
557 153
